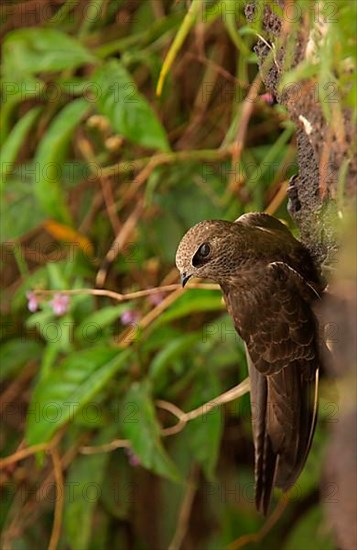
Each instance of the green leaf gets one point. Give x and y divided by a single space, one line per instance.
165 357
36 50
128 111
49 160
205 432
94 323
16 89
83 488
68 388
191 301
140 425
118 497
310 532
19 209
15 353
12 145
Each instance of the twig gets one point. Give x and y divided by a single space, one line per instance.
226 397
119 242
183 418
56 528
185 511
268 525
247 109
154 313
109 204
124 297
26 515
24 453
13 390
106 447
29 512
209 155
278 198
220 70
140 179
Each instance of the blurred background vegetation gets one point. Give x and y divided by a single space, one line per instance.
124 122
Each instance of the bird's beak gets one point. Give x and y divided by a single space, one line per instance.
184 278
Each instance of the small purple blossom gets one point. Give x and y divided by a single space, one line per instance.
156 299
32 301
134 460
267 98
130 317
60 304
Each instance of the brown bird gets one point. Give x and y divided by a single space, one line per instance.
269 284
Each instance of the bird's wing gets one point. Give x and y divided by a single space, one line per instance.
280 333
265 457
263 221
299 256
284 408
282 328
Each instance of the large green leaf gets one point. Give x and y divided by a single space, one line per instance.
192 301
83 488
169 352
140 425
15 353
205 432
12 145
15 89
128 111
19 209
68 387
310 532
36 50
94 323
49 160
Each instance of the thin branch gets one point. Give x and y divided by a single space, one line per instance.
226 397
106 447
110 204
183 418
209 155
17 385
119 242
23 453
234 393
268 525
154 313
246 113
277 199
26 515
57 523
185 511
123 297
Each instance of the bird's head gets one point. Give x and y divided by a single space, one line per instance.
208 250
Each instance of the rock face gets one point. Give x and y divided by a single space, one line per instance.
322 147
340 477
325 158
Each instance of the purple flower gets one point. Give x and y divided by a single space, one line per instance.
130 317
267 98
32 302
60 304
133 459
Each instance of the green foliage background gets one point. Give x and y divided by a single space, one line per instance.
80 122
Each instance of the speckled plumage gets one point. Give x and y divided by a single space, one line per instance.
269 284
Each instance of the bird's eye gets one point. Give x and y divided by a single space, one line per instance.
204 250
201 255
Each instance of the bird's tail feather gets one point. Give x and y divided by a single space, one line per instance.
306 416
284 416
